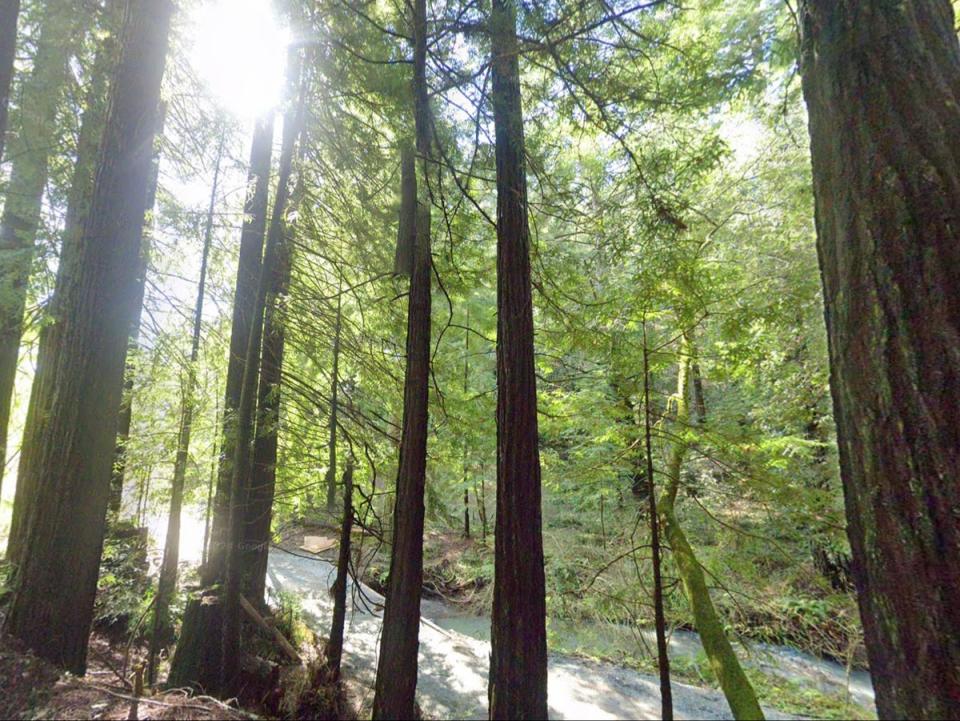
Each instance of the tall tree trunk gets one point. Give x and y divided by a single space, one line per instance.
9 12
396 684
162 632
334 388
245 321
663 658
882 85
66 524
118 475
31 147
258 508
211 483
466 387
334 649
78 205
274 257
518 660
699 400
726 667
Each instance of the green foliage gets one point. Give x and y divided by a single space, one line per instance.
124 590
670 193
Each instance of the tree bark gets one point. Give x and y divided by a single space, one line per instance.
518 660
66 524
466 388
396 683
726 667
118 475
162 632
258 509
242 459
334 388
31 148
245 322
78 206
882 86
9 12
663 658
334 649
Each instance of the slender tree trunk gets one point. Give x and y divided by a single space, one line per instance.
66 524
334 387
882 85
245 322
9 12
480 496
699 400
210 486
162 632
396 683
78 205
726 667
466 387
334 649
31 148
240 483
663 658
518 660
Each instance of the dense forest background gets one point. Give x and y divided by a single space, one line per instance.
676 301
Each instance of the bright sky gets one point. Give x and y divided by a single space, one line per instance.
239 50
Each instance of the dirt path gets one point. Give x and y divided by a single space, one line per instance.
453 667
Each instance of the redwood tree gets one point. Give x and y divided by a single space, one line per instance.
882 85
245 318
396 684
271 273
78 206
9 11
31 148
518 659
65 527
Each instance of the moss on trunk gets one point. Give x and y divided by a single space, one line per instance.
723 661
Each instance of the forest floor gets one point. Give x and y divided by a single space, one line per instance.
34 689
453 665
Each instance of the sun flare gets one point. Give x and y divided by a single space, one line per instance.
239 51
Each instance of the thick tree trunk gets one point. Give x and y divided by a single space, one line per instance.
242 458
258 510
396 683
518 660
78 205
726 667
245 321
9 12
334 649
30 149
882 85
162 631
66 524
119 473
